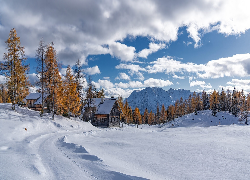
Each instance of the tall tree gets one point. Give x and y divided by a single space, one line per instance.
137 116
40 58
223 101
15 70
151 118
145 116
79 76
235 102
53 81
71 99
214 102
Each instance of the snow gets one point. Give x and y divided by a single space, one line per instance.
191 147
106 106
33 96
152 97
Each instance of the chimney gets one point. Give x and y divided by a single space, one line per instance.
101 100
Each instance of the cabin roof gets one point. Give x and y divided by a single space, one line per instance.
106 106
39 100
32 96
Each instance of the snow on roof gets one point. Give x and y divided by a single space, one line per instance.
39 101
96 102
33 96
106 106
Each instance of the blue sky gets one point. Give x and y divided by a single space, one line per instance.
128 45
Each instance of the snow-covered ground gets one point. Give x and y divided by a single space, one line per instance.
191 147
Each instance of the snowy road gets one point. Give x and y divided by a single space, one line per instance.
69 149
41 152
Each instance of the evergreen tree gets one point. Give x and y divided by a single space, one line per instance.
222 100
235 102
40 58
205 100
79 77
228 101
243 108
157 115
145 116
15 70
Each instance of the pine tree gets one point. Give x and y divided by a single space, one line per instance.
205 100
15 70
228 101
79 77
40 54
243 108
235 102
53 81
223 100
214 102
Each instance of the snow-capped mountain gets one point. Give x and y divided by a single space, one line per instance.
152 97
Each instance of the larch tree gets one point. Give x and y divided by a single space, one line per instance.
214 102
137 116
151 118
163 114
15 70
53 81
71 98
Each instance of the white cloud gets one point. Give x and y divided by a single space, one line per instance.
237 65
92 70
239 84
122 51
123 76
33 78
157 83
80 28
153 47
2 79
202 84
147 83
178 77
197 83
106 84
133 68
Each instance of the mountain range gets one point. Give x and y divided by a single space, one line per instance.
150 98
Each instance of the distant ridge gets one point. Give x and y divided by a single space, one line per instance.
151 97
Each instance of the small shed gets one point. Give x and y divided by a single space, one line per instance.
107 114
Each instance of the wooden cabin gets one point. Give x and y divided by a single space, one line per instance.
34 101
107 113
